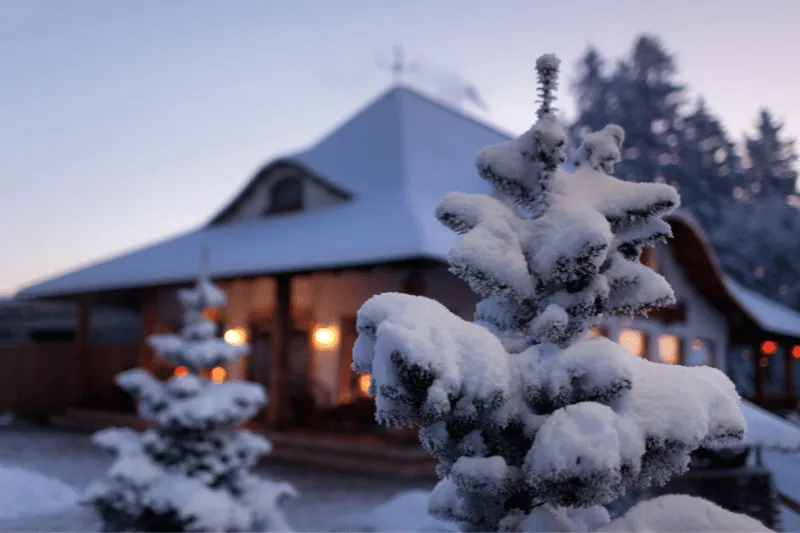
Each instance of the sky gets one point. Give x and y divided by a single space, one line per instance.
125 122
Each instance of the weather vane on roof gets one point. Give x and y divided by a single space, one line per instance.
398 65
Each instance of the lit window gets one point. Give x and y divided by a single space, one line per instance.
701 353
633 341
181 371
769 347
325 337
218 374
669 349
236 336
363 384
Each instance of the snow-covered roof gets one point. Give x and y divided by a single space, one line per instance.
768 314
397 157
768 429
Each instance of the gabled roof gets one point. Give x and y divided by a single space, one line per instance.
397 157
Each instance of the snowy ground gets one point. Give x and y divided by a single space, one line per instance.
328 501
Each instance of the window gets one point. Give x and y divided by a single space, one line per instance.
634 341
285 196
701 354
598 331
669 349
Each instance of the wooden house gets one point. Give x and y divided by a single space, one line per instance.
314 234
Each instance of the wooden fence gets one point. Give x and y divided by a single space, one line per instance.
38 380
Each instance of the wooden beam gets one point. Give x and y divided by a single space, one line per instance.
279 352
149 319
81 350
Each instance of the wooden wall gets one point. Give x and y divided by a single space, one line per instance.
37 380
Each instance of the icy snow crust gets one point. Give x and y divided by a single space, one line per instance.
191 470
534 425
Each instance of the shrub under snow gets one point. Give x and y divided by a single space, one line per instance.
534 426
191 471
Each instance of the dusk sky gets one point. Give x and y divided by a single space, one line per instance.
123 122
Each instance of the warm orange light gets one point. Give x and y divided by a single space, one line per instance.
633 341
796 352
596 331
218 374
363 384
236 336
181 371
669 349
212 313
698 344
769 347
763 361
325 336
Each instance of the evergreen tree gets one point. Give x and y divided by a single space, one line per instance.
191 471
757 240
535 426
771 160
709 169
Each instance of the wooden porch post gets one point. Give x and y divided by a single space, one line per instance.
81 350
788 373
760 372
149 318
279 351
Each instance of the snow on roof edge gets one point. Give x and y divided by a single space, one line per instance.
767 313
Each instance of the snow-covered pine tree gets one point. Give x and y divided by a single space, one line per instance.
191 470
535 426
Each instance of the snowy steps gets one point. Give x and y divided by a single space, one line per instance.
351 455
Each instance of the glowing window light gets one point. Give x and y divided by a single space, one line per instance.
633 341
698 344
235 336
218 374
363 384
769 347
669 348
325 337
181 371
596 331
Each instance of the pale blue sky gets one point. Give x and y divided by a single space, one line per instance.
122 122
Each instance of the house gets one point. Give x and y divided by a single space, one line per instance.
314 234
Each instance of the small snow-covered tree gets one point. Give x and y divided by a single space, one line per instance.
534 426
191 470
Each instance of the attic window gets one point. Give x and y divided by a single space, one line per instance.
286 196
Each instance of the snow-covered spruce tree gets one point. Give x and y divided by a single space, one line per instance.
191 470
534 426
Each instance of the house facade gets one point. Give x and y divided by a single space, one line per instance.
315 234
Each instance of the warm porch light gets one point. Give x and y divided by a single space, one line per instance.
633 341
181 371
325 337
236 336
363 384
218 374
212 313
669 349
769 347
796 352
